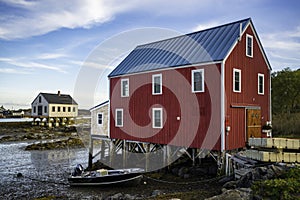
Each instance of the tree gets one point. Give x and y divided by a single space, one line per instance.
286 102
286 91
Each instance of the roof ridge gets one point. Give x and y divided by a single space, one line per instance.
195 32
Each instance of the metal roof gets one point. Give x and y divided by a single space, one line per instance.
59 98
199 47
99 105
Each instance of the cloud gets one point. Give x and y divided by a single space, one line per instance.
207 25
12 71
47 56
40 17
283 48
28 64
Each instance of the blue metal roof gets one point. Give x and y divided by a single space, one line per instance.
199 47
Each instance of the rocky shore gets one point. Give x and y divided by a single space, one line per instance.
181 180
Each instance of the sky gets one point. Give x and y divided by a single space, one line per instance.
72 45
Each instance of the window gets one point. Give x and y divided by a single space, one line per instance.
53 108
249 45
34 109
260 81
40 99
157 84
236 80
74 109
100 119
125 87
119 117
69 109
157 117
64 109
58 109
198 80
45 109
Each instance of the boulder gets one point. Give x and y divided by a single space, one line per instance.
236 194
115 196
155 193
182 171
230 185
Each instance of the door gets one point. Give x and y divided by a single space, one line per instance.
253 123
40 110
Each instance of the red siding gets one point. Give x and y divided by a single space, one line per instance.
199 123
250 67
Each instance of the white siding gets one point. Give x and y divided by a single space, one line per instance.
97 129
36 103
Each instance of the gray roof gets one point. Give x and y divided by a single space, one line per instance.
209 45
99 105
59 98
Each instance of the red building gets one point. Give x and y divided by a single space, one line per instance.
207 90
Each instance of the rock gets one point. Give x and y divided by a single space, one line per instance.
245 181
115 196
182 171
175 171
19 175
213 170
230 185
276 169
236 194
198 171
128 197
186 176
226 179
155 193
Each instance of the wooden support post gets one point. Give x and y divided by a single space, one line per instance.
193 156
90 164
112 152
147 157
124 151
102 149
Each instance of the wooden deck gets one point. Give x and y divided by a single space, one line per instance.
274 150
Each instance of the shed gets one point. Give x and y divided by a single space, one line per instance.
208 90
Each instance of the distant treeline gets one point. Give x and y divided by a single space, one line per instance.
286 102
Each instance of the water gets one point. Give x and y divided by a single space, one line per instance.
44 172
16 120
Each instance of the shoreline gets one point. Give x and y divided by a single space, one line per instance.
148 189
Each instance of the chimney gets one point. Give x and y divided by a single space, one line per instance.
58 93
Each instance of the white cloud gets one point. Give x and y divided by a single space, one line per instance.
283 48
207 25
29 64
47 56
41 17
12 71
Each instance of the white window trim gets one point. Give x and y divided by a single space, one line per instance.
153 117
116 119
122 82
98 118
153 84
240 80
263 83
249 36
192 82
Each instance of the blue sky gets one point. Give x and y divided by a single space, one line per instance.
46 45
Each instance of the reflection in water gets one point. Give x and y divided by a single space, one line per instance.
44 173
54 164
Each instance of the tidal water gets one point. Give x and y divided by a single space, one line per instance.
44 173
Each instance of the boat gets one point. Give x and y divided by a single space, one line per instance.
130 176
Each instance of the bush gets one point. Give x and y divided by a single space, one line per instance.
286 188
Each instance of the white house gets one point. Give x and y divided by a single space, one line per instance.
99 121
54 109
